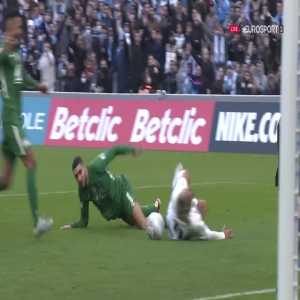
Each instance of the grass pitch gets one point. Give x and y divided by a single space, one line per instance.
110 260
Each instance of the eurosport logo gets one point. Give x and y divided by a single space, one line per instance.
172 125
256 29
245 127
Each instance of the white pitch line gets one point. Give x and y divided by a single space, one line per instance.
41 194
241 294
141 187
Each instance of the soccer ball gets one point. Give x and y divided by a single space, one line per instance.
155 226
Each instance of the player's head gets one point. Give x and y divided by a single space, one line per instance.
13 26
80 171
184 203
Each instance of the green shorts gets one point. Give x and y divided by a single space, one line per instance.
128 202
14 143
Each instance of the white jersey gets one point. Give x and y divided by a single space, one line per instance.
196 227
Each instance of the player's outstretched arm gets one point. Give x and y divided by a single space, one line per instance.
84 217
103 159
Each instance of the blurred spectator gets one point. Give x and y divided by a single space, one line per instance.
229 85
136 54
222 8
246 85
47 67
278 19
259 77
197 81
129 46
170 83
218 84
219 45
273 87
72 82
146 86
154 71
104 78
207 70
266 16
77 54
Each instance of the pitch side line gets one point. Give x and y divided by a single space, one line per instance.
241 294
141 187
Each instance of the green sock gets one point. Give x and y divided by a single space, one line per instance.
32 193
148 209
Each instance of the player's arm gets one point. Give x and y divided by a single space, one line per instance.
33 84
29 81
84 215
103 159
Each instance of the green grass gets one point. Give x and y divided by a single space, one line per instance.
110 260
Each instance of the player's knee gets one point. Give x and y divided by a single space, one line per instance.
30 164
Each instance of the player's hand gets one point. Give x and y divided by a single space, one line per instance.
42 88
67 226
228 233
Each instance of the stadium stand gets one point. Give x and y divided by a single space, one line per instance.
180 46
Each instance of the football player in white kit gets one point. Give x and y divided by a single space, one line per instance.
186 213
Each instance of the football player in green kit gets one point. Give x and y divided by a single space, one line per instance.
14 145
112 195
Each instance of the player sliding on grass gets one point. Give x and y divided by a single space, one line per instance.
13 80
186 213
112 195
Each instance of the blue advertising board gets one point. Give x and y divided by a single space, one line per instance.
35 117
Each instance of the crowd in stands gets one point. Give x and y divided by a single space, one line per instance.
142 46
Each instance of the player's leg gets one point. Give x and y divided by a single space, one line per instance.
138 217
180 174
30 164
41 225
150 208
201 205
7 175
8 164
132 213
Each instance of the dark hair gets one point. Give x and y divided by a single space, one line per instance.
10 14
76 161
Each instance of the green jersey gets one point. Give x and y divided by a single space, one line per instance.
13 80
105 190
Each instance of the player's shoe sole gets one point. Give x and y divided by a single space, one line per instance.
157 204
43 225
177 170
